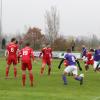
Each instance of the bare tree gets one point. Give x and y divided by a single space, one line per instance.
52 24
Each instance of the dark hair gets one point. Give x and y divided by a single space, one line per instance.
27 44
16 42
91 50
69 50
13 39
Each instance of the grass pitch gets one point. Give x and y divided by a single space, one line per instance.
49 87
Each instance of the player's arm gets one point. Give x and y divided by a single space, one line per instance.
6 54
78 63
40 54
51 54
61 63
32 55
92 58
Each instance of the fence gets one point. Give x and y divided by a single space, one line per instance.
56 54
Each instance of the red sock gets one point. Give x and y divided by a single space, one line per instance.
31 79
23 79
42 70
49 70
15 71
7 71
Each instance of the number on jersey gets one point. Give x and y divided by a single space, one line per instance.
73 59
25 52
12 49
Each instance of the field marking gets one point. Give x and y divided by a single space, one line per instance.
97 98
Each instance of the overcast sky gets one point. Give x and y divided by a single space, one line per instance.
76 16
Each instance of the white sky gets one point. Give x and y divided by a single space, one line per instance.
76 16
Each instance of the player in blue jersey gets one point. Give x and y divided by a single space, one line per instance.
97 59
71 67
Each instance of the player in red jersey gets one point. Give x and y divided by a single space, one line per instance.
11 56
26 55
90 60
46 58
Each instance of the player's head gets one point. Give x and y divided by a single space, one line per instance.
69 50
13 40
91 50
27 44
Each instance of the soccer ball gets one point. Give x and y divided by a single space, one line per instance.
81 75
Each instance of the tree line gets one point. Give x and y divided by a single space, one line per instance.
52 36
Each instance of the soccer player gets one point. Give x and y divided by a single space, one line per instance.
90 59
97 59
46 58
71 67
11 56
26 55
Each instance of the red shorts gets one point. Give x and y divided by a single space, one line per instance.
26 65
11 60
46 61
90 62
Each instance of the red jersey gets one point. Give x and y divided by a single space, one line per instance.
26 54
47 53
89 56
12 49
90 60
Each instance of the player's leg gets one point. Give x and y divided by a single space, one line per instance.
92 63
23 74
8 67
64 77
15 71
7 70
43 67
86 66
31 77
49 67
30 74
95 66
75 74
15 67
78 78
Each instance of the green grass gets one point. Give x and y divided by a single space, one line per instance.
48 87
